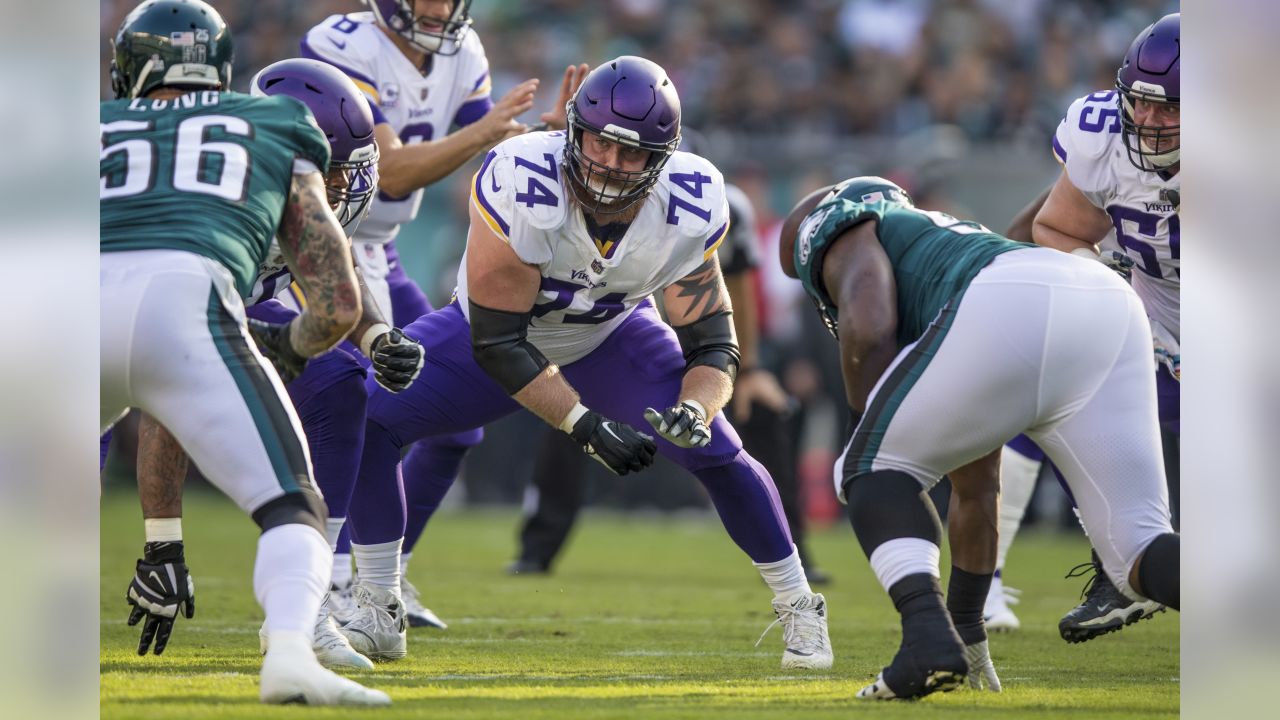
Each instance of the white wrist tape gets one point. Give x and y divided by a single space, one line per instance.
163 529
1087 253
366 342
572 418
702 412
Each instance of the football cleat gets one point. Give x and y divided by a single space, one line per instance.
291 674
804 632
418 615
331 648
342 602
996 613
1104 608
931 659
379 628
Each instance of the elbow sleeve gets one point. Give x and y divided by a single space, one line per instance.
711 341
501 347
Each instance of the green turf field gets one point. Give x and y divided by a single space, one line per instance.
646 617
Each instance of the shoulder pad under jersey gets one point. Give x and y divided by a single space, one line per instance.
349 43
1087 137
692 189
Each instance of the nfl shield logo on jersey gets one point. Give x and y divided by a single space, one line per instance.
597 267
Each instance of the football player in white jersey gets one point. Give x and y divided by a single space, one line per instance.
571 233
424 71
1119 150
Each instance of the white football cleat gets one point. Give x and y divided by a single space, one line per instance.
418 615
331 648
379 628
291 674
996 613
342 602
804 632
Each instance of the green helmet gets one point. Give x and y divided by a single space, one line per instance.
171 43
869 188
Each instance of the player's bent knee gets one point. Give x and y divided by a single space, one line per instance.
885 505
296 508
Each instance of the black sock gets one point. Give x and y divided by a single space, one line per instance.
1158 571
915 594
966 596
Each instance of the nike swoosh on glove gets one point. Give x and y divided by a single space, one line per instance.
161 587
616 445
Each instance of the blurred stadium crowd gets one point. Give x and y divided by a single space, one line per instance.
955 99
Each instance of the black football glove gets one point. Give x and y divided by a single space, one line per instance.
273 341
161 587
1117 261
683 425
397 360
616 445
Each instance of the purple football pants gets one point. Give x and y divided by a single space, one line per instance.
329 397
640 365
432 464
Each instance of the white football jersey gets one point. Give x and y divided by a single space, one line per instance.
1091 148
418 108
589 288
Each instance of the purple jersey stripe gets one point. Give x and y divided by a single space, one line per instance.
378 117
472 111
480 82
1058 150
715 237
309 52
484 203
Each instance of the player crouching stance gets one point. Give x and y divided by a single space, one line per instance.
194 182
938 319
570 236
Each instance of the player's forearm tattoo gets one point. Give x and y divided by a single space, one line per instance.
703 289
319 256
162 470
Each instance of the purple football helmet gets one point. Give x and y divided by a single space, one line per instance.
1150 72
629 101
343 114
397 16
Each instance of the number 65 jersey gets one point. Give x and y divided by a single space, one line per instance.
588 286
1142 205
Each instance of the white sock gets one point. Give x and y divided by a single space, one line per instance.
379 564
342 573
1018 475
332 529
900 557
291 576
785 577
404 564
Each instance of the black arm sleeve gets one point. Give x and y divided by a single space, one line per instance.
501 348
711 341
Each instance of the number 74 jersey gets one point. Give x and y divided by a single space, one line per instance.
208 172
1142 205
590 285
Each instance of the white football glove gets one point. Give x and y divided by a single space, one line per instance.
683 425
981 669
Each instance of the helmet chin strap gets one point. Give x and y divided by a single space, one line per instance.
142 77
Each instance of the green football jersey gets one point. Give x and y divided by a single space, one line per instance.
934 256
208 172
